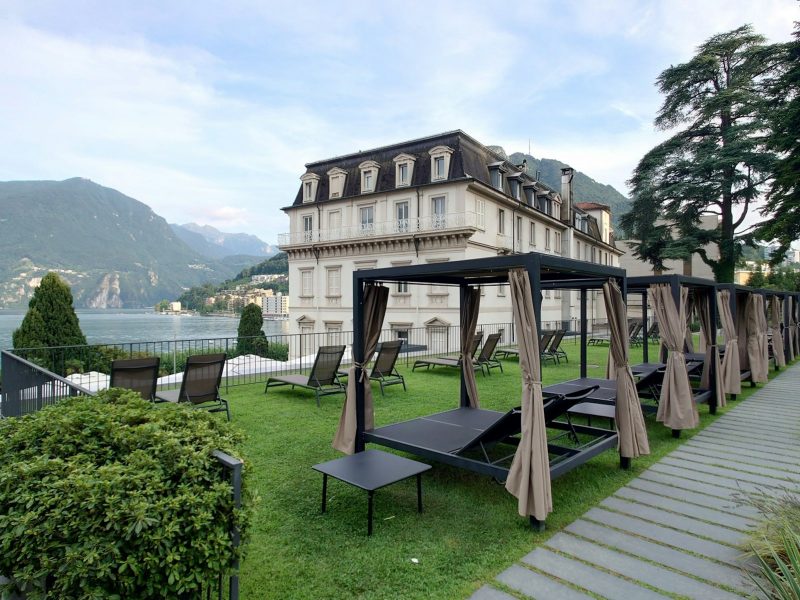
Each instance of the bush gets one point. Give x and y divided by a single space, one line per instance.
277 351
251 337
109 496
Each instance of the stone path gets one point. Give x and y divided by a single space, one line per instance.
675 531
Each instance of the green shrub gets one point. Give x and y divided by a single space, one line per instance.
277 351
110 496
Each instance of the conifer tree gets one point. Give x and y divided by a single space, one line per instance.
252 339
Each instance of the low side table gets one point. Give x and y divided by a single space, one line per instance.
371 470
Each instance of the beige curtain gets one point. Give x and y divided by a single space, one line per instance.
469 322
790 328
676 407
777 333
703 306
374 309
689 310
731 371
757 353
741 330
529 475
628 410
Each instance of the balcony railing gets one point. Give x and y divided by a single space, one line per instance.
446 222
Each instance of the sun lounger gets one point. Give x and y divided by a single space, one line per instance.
448 361
200 384
322 379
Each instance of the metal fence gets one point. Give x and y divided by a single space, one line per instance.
250 360
28 387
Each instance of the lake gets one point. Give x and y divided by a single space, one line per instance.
142 325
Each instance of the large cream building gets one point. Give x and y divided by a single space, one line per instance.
441 198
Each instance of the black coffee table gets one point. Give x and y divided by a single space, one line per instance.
371 470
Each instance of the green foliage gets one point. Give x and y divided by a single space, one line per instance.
782 208
277 351
162 306
782 577
716 162
113 497
757 278
251 337
50 321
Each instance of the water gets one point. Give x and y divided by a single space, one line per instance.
116 326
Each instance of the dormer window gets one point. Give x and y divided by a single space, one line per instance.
369 176
530 195
310 182
496 171
440 162
403 170
336 181
514 183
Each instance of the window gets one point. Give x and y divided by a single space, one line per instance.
401 210
501 221
307 282
577 249
518 234
369 175
480 213
336 180
367 215
403 169
308 228
310 181
333 329
334 281
557 241
532 241
547 238
530 197
513 184
439 220
501 291
557 294
402 287
334 220
547 294
497 179
548 206
440 162
594 254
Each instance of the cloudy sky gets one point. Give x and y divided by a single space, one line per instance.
207 111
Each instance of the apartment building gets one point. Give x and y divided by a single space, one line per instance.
440 198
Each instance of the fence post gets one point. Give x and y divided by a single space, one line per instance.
234 466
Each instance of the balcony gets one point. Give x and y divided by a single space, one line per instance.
396 227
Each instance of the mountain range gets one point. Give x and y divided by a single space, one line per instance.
112 249
213 243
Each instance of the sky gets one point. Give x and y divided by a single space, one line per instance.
208 111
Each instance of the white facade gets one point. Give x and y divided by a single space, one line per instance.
418 203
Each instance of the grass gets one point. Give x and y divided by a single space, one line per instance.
470 529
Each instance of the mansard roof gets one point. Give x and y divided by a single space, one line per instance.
470 161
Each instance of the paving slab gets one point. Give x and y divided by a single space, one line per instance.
738 476
691 497
487 592
675 521
734 465
729 441
711 514
728 482
756 439
777 461
594 580
636 569
536 585
752 422
681 483
666 535
679 560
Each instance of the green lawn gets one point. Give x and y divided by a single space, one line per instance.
469 531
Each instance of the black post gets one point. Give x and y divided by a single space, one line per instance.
358 357
712 372
583 333
645 338
534 274
462 298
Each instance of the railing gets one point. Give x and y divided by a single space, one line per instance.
432 223
27 388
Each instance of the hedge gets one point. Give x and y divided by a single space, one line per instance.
112 497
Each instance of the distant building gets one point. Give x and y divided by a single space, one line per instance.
175 306
441 198
276 306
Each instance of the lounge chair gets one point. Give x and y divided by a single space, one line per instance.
323 378
137 374
635 333
200 385
555 352
448 361
652 333
486 358
544 344
383 369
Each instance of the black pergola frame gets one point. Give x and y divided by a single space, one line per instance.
640 285
545 272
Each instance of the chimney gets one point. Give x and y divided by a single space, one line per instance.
566 194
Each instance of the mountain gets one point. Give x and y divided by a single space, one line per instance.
214 243
112 249
584 187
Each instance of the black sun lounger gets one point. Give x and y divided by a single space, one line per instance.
322 379
448 361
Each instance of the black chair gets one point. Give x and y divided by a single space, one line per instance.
383 369
200 385
323 378
486 358
555 350
544 343
449 361
137 374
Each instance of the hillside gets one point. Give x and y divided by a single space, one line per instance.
213 243
585 188
112 249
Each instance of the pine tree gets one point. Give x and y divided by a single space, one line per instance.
50 322
252 339
716 163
